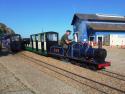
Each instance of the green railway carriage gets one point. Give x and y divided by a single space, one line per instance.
41 43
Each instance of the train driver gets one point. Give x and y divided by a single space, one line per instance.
65 40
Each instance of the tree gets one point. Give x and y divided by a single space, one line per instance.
5 30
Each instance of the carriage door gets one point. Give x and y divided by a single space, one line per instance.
39 43
42 42
31 41
36 42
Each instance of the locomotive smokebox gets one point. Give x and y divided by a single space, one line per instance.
100 55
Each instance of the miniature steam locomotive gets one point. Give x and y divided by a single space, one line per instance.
47 43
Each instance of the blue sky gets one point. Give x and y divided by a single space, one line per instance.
32 16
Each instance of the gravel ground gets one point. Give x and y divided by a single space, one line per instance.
42 83
9 84
116 83
34 79
117 58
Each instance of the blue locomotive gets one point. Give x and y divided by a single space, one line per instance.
47 43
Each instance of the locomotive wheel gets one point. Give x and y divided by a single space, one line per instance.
83 65
93 68
67 59
86 66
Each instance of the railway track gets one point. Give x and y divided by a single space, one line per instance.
106 72
112 74
99 87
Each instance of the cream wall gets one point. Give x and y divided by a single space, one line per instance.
117 39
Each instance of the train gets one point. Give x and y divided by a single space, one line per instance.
47 44
12 42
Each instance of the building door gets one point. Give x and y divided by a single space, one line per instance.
106 41
91 38
100 41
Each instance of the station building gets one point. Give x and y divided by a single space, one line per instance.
109 29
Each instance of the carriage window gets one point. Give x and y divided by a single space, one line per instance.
42 38
39 36
33 37
52 37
